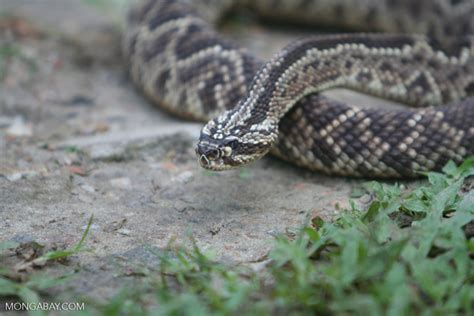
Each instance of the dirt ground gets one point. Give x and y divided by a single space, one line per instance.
77 139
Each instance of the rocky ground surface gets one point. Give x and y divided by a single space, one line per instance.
76 139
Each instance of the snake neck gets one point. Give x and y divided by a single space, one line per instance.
359 62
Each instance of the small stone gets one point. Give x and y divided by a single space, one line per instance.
121 183
39 262
14 176
19 174
124 231
366 198
67 161
184 177
155 165
87 188
108 153
272 232
19 128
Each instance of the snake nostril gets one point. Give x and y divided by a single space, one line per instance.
210 153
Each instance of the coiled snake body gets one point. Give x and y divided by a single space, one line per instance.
180 61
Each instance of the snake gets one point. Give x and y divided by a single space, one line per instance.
419 53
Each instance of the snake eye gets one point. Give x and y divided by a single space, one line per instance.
229 147
233 144
227 151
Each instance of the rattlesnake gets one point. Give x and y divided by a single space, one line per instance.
176 56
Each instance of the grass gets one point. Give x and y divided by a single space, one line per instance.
410 253
31 289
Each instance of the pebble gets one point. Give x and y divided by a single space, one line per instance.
108 152
14 176
366 198
69 159
184 177
121 183
87 188
272 232
20 175
124 231
19 128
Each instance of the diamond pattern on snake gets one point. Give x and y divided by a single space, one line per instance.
420 53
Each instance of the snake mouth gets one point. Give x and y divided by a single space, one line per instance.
226 163
225 155
215 165
210 157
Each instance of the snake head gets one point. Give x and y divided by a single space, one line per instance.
222 148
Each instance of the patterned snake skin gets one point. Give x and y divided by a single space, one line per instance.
179 60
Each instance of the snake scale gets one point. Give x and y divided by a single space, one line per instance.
179 60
